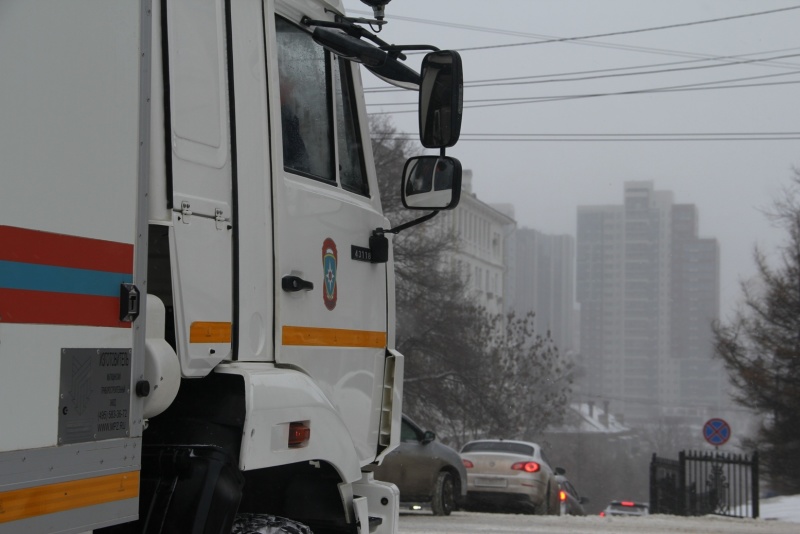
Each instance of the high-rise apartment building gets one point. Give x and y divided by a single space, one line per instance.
648 289
542 272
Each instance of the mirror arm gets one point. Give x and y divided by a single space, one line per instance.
379 244
348 26
408 48
405 226
353 30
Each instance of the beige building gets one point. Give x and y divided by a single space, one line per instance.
482 231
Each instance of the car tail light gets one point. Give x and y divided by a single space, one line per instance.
562 495
467 463
299 434
628 503
602 514
528 467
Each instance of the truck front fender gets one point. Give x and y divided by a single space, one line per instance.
275 398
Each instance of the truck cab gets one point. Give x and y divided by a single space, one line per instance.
196 282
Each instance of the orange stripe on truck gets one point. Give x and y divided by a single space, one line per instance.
209 332
332 337
64 496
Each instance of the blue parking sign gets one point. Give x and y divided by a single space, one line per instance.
717 431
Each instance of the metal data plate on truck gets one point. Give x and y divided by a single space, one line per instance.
94 399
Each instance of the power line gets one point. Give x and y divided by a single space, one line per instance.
641 30
575 40
488 81
548 39
702 86
605 139
673 89
638 134
660 71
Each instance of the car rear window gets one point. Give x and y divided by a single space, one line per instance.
499 446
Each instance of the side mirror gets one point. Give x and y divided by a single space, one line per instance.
561 471
441 99
431 183
428 437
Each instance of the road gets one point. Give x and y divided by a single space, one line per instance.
468 522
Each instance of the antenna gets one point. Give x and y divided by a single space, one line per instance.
377 7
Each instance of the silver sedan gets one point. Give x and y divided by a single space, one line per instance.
509 475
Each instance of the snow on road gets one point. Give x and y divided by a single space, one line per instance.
466 523
779 515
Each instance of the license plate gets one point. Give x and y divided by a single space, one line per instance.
491 482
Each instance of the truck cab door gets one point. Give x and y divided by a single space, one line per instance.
199 157
331 301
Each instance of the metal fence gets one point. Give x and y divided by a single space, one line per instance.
704 482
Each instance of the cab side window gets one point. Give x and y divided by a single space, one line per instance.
318 99
351 162
306 114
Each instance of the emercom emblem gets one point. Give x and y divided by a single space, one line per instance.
329 261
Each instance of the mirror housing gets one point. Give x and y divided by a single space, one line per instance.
431 183
441 99
428 436
396 73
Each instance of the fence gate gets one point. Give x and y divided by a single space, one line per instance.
704 482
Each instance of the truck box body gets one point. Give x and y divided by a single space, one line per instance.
72 164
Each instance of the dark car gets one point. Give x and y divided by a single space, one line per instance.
571 502
425 471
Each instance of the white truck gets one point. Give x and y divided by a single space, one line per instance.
196 284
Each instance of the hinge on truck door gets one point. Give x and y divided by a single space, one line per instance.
185 212
220 221
129 300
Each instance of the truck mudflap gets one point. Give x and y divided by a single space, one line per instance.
186 489
377 505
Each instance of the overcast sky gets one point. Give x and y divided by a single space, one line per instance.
730 181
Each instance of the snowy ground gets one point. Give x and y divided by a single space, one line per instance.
778 515
782 509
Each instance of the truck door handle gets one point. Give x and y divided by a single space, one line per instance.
293 284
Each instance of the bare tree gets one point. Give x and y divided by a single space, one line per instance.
468 373
761 348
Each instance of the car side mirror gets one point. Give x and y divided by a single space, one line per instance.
441 99
428 436
561 471
431 183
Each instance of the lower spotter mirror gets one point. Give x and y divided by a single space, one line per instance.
431 183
